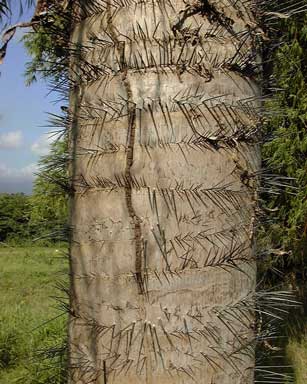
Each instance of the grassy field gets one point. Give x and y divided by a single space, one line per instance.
27 282
28 277
297 353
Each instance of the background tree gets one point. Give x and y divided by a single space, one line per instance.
15 211
47 45
49 201
43 215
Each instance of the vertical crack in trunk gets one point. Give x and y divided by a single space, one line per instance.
130 156
128 189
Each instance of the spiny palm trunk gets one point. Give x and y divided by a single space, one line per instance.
164 179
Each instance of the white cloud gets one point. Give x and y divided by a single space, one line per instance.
25 173
10 140
14 180
41 147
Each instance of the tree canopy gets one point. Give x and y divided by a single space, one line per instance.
15 211
49 201
43 215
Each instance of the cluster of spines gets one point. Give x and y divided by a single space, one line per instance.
192 327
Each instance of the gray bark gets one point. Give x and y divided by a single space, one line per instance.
163 212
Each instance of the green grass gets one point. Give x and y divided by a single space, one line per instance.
297 353
27 281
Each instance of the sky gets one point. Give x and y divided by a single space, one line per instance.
23 114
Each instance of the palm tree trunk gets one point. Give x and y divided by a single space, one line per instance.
164 178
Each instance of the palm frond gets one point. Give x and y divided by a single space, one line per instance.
6 8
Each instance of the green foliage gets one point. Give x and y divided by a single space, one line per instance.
286 153
15 211
48 47
43 215
49 201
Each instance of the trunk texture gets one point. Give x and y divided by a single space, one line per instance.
164 178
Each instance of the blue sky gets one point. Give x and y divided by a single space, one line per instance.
23 112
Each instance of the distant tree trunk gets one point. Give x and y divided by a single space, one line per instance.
164 176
